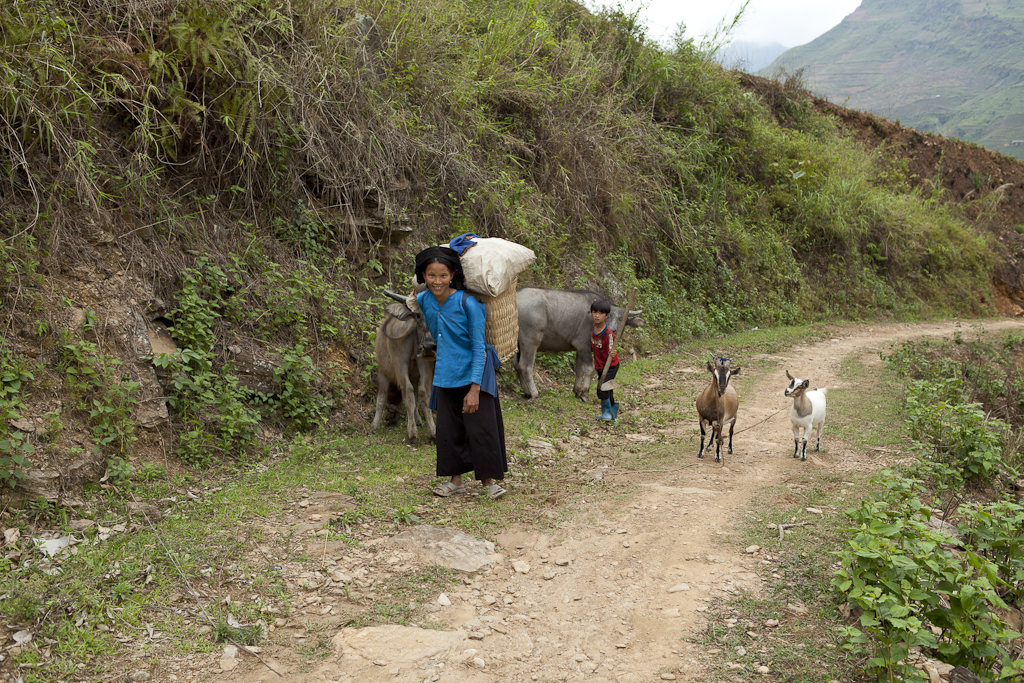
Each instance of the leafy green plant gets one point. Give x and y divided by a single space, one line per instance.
406 514
899 572
14 446
960 436
119 470
996 531
297 398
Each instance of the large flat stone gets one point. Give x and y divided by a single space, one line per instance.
446 547
398 644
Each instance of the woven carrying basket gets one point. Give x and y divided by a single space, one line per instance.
502 328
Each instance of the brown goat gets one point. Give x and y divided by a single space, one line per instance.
717 405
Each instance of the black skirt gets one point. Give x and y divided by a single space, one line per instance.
473 442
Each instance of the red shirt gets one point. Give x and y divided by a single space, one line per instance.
599 344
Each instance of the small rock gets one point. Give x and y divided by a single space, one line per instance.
763 670
814 511
772 623
668 677
81 525
139 675
548 574
479 663
521 567
489 599
674 612
752 549
379 662
562 563
477 635
741 651
444 600
797 609
303 503
679 587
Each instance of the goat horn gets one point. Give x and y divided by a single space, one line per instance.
397 297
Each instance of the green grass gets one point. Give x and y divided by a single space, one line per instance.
866 412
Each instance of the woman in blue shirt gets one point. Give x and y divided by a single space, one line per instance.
470 430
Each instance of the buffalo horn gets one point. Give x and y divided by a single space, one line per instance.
397 297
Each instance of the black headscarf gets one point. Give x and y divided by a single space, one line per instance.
445 256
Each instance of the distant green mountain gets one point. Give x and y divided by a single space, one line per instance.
953 67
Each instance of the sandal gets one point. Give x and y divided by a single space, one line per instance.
448 489
495 491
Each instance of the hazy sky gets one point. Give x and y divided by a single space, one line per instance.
790 22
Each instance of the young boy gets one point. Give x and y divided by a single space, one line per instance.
602 342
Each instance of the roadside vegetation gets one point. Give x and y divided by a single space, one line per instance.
935 560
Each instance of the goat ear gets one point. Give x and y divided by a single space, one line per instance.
806 383
734 371
789 376
710 368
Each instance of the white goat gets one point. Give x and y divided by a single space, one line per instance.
807 413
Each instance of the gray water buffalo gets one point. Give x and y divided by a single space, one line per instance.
559 320
405 358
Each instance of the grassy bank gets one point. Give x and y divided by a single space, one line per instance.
252 173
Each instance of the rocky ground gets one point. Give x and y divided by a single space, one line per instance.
611 596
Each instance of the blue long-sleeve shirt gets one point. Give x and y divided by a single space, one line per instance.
458 330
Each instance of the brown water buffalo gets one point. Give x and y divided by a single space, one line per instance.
559 320
405 353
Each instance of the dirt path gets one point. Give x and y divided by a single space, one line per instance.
612 597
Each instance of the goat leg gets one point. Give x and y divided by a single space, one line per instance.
796 447
700 453
803 453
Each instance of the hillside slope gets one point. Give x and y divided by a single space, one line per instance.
953 67
202 202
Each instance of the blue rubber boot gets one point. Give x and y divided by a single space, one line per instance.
615 411
606 410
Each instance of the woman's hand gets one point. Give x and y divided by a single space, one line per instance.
472 400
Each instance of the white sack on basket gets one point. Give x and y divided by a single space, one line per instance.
492 264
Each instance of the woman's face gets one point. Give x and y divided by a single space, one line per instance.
438 278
